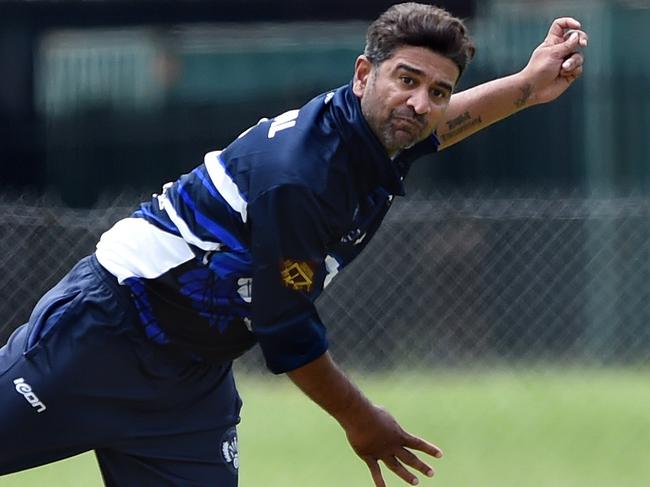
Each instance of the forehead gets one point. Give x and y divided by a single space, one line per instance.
434 66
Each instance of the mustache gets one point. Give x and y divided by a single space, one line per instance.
409 114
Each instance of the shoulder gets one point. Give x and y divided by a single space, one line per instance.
298 148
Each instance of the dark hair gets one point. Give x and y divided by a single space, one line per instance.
420 25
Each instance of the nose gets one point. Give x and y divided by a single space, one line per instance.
420 102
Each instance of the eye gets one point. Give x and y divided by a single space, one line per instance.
436 93
407 81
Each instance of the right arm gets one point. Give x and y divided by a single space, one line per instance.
288 233
372 432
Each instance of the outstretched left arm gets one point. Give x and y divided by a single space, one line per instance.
552 68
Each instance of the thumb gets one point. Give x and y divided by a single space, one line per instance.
569 46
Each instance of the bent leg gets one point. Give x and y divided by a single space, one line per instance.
33 429
201 459
83 376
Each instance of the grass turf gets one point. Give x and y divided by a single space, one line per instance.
505 428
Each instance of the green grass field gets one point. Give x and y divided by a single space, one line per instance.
505 428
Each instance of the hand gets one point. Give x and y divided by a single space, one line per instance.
372 432
380 437
556 63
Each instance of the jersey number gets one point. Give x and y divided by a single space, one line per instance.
282 122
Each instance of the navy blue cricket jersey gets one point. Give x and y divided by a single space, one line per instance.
236 251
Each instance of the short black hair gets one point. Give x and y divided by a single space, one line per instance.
416 24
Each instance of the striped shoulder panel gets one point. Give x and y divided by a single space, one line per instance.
224 184
206 208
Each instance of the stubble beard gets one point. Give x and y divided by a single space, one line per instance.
393 139
400 138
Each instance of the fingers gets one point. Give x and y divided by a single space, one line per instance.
583 38
572 63
572 68
568 49
399 458
399 470
410 459
574 75
375 472
558 28
570 45
404 457
416 443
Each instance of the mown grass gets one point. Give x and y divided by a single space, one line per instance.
503 428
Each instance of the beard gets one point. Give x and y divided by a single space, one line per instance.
403 128
400 129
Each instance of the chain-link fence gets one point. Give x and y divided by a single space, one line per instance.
450 279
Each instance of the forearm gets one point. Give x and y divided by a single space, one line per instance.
373 433
476 108
323 382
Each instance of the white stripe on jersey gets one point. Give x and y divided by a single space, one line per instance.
133 247
224 184
183 229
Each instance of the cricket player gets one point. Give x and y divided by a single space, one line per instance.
130 354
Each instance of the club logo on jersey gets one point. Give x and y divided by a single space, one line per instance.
230 450
25 389
297 275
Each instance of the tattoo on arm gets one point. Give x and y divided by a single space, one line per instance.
526 92
459 120
459 125
464 121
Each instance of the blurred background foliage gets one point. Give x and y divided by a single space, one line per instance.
103 95
502 311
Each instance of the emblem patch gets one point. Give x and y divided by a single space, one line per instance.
229 450
297 275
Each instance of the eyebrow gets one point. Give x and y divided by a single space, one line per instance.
419 72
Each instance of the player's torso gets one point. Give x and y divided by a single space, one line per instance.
201 298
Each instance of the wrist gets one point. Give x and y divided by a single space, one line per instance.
526 95
356 411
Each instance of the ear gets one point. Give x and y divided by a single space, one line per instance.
362 70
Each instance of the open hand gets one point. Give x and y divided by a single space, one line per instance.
380 438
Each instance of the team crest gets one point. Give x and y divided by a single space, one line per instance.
230 450
297 275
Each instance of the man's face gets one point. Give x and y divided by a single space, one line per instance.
405 97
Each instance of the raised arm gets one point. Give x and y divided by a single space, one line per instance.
552 68
372 432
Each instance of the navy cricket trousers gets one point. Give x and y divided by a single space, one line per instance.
81 375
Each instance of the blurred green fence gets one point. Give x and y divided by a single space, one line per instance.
450 279
141 104
612 122
495 276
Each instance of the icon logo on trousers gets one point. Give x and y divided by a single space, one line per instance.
25 389
229 450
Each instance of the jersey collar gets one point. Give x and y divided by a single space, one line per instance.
367 150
